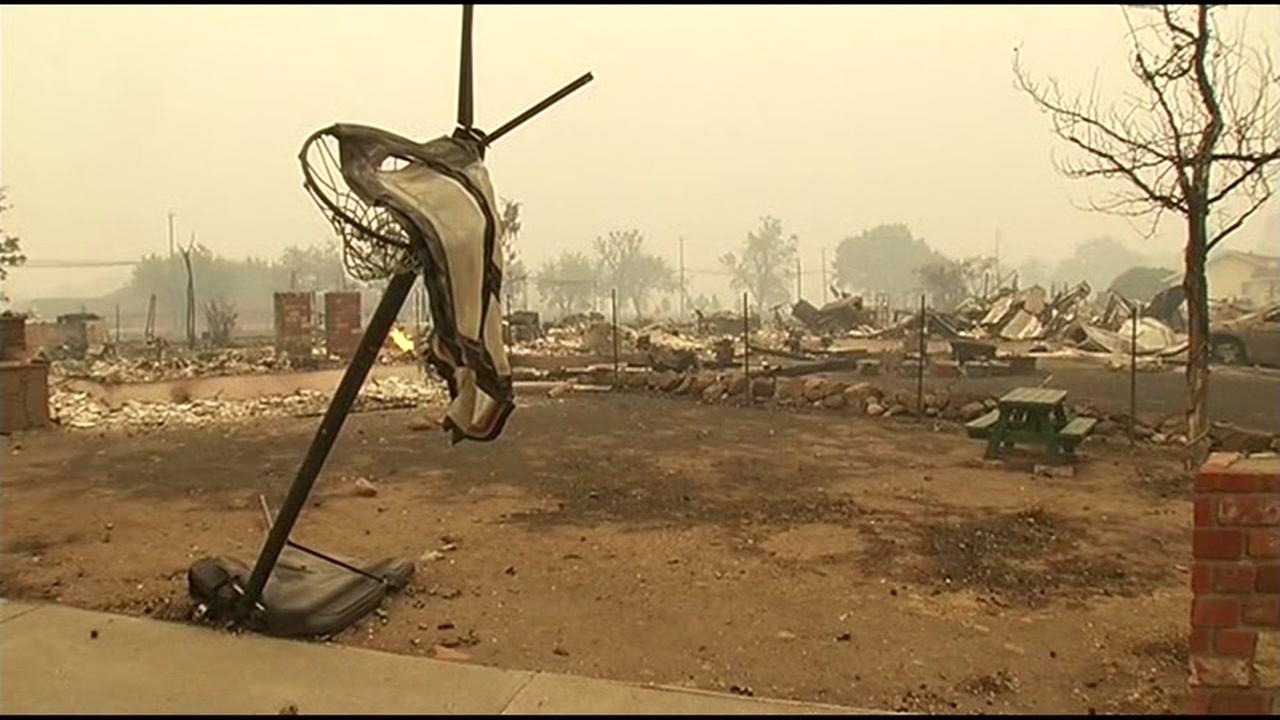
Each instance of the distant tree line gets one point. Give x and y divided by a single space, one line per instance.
246 285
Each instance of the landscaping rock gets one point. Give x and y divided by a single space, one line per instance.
853 402
815 389
972 411
1229 438
702 381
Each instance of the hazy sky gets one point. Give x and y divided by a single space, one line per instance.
700 120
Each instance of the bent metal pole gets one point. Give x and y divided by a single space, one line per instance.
339 407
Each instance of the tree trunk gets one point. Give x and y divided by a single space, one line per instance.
1194 284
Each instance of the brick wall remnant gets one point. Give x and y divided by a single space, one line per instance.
342 323
1235 585
13 337
294 324
24 396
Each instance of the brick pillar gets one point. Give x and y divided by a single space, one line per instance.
13 337
342 323
293 323
1235 582
24 396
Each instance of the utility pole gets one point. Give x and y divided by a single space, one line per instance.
682 288
176 323
824 276
998 283
191 294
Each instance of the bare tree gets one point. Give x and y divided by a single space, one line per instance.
515 281
625 266
10 248
220 316
761 269
1198 138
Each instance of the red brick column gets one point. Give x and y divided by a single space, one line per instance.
293 323
13 337
1235 582
342 323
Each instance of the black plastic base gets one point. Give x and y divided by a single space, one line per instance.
303 596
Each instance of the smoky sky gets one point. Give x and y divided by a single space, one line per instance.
700 120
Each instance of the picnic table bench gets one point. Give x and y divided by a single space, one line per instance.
1035 416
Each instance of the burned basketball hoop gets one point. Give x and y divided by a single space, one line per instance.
401 208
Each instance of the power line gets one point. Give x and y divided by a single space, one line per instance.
77 263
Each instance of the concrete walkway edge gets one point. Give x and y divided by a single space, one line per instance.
59 659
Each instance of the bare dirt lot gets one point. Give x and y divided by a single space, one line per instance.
793 555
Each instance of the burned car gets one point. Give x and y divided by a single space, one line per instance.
1252 339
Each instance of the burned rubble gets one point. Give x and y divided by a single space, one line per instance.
81 411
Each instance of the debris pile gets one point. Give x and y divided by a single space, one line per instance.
843 315
1160 328
523 326
81 411
723 322
106 367
805 339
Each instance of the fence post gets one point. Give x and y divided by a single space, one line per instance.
746 345
613 302
1133 375
920 366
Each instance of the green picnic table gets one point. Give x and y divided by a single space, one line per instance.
1034 416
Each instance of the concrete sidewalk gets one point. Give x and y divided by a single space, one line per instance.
50 662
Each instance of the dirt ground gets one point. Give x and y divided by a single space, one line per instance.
792 555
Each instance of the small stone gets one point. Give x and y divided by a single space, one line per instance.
422 424
684 386
560 389
289 709
560 651
785 635
364 488
440 652
93 634
875 409
844 637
